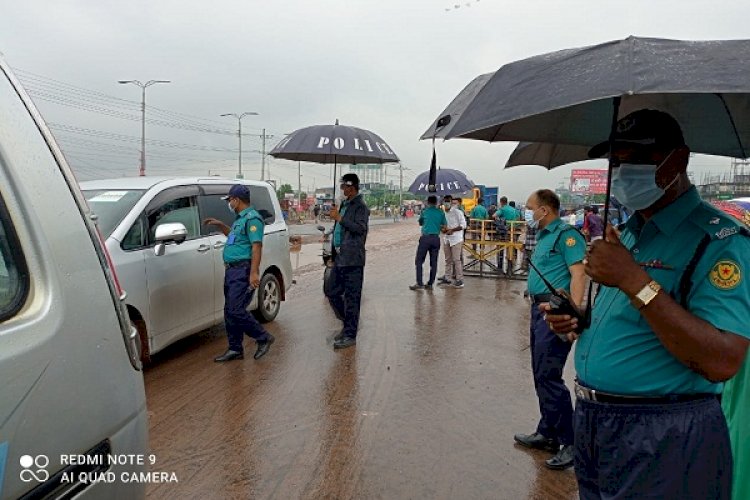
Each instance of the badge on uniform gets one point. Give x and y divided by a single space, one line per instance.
571 242
253 229
230 239
725 275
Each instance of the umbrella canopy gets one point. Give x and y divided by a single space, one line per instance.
334 144
546 154
447 119
448 181
567 97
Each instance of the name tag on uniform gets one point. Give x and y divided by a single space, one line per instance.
230 239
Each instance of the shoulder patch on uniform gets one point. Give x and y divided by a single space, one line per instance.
725 274
253 228
727 232
571 242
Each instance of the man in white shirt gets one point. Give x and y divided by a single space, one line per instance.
453 240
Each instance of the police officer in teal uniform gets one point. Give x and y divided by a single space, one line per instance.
242 254
558 258
669 325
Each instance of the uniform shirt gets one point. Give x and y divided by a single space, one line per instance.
337 230
558 246
478 212
508 213
246 230
432 219
619 353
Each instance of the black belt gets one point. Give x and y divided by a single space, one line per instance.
237 264
583 392
541 297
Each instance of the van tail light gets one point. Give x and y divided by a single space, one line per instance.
129 332
110 265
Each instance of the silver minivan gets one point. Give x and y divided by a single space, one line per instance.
171 264
69 357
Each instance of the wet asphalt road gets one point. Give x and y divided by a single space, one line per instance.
425 406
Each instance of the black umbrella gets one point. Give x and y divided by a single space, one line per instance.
447 181
334 144
575 97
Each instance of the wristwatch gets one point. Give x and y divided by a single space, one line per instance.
646 295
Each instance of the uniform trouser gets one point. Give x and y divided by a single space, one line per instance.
453 265
671 450
548 356
428 243
237 296
345 295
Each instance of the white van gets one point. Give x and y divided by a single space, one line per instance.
69 356
170 264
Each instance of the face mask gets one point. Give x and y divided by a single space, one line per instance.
231 208
528 215
531 222
634 185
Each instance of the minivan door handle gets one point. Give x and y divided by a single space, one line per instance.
219 244
204 248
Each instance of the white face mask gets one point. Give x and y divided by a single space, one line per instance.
533 223
231 208
634 185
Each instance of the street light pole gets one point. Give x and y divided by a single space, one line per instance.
142 171
239 135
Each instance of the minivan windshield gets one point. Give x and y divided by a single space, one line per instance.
111 206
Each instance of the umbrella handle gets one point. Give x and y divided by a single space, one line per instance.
610 167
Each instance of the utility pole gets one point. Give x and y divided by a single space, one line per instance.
239 135
400 185
263 157
142 170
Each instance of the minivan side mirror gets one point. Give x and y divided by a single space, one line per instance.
174 232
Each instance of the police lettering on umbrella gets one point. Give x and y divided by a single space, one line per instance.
668 326
242 254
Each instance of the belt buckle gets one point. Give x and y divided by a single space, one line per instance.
585 393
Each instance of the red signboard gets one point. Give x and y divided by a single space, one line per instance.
588 181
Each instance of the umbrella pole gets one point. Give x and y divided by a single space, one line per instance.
612 130
334 180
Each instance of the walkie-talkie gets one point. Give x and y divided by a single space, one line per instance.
561 303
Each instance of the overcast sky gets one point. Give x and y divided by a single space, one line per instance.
386 65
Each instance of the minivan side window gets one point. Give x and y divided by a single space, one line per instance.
261 200
183 210
14 275
135 238
212 206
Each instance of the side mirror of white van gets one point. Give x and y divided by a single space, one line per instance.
174 232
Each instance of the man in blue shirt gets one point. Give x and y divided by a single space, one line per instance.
433 222
669 325
557 258
242 253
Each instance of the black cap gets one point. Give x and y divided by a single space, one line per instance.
350 180
644 128
238 191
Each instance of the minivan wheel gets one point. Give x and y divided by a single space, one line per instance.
269 299
140 325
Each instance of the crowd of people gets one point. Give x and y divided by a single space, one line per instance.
665 336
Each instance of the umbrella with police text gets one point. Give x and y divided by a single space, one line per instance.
334 144
447 181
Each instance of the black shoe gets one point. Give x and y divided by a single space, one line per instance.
344 342
428 287
229 356
563 459
339 336
263 347
416 287
537 441
443 281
